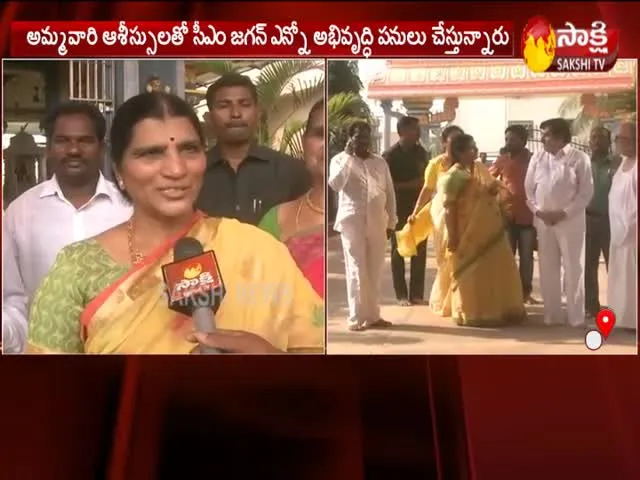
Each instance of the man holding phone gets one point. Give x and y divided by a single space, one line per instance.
365 219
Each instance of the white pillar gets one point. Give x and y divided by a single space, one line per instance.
130 79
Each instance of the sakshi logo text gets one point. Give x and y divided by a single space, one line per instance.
569 49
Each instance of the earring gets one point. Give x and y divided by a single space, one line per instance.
121 184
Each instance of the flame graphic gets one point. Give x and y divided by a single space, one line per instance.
538 44
193 271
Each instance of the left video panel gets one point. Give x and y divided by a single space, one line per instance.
163 206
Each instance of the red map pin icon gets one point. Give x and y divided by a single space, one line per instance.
605 321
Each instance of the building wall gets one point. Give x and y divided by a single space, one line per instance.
21 104
486 118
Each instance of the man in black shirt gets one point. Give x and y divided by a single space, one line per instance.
243 179
407 160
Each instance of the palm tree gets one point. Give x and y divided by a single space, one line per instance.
343 77
345 103
343 109
280 95
608 106
345 106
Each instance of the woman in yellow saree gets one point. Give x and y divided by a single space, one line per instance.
419 225
477 281
106 294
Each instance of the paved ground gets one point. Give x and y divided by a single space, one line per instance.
417 330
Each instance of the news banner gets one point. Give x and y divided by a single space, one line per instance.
544 47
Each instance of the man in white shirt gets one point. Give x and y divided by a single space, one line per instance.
622 291
77 203
365 219
559 186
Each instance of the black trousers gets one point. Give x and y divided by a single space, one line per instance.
417 272
522 239
596 242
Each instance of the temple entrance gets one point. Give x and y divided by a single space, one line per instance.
29 88
485 97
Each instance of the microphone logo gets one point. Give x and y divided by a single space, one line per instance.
192 271
192 278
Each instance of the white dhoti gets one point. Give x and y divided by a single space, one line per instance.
561 247
364 255
623 251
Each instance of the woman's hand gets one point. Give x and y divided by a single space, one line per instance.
452 244
493 189
234 341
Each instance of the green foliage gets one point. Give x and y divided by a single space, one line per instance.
345 104
344 109
343 77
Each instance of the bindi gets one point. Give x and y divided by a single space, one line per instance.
172 139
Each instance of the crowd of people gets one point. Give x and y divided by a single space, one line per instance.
568 206
83 256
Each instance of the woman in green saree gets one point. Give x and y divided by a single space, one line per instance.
300 224
477 283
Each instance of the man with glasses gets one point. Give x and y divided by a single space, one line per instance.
558 187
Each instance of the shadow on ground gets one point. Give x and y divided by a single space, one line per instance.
418 324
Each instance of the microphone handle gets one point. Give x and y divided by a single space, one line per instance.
205 350
204 322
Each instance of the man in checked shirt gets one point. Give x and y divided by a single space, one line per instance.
365 219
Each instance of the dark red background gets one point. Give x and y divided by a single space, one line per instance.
467 417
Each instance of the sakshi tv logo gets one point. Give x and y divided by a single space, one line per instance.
569 49
192 271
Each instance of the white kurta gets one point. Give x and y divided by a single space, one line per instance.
561 182
366 209
623 250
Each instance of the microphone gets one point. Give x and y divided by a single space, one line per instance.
195 286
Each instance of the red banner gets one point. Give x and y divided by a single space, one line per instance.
476 39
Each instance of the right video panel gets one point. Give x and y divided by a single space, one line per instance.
476 207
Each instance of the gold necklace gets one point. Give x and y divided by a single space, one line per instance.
311 205
135 256
298 210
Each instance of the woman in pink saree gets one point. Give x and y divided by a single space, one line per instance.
299 224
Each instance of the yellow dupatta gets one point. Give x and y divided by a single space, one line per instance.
413 234
266 295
